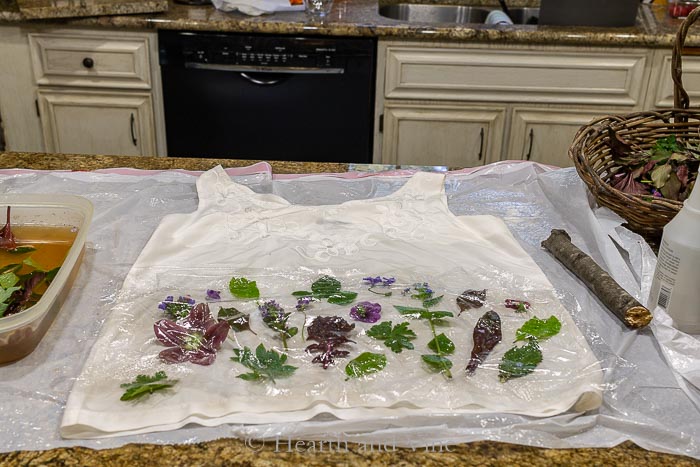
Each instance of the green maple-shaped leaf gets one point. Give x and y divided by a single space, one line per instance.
396 338
265 364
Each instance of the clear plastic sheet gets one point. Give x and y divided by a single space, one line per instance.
569 375
642 401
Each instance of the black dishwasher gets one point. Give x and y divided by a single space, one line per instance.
245 96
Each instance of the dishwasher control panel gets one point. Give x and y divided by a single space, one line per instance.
253 50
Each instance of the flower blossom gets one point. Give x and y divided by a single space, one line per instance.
367 312
194 339
213 294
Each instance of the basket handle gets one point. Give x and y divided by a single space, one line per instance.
680 96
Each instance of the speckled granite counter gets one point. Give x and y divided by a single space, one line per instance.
238 452
361 18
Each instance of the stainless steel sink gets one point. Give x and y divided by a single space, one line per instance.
455 14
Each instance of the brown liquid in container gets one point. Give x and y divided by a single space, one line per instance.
52 245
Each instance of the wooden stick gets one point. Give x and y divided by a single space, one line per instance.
609 292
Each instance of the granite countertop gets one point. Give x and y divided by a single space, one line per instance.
240 452
361 18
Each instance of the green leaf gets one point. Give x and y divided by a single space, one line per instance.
237 320
519 361
428 302
365 364
241 287
442 345
435 315
325 287
144 385
21 250
265 364
302 293
438 363
10 268
660 174
51 275
538 329
342 298
8 279
33 264
6 293
396 338
410 311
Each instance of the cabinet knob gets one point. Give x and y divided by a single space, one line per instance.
88 62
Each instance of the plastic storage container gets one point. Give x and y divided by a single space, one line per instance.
20 333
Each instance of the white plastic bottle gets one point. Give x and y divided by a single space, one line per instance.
676 284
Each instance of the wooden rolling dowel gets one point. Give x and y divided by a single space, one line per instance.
622 304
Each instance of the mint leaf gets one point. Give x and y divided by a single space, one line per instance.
442 345
302 293
438 363
410 311
342 298
8 279
144 385
241 287
365 364
33 264
325 287
519 361
265 364
237 320
538 329
396 338
21 249
427 303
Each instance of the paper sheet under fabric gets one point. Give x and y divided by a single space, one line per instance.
409 234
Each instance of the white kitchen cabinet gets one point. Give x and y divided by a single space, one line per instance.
545 134
97 122
538 96
450 135
99 92
660 95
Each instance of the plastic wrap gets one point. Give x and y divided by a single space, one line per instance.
642 400
568 376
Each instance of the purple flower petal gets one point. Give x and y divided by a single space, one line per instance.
366 312
213 294
170 333
216 334
173 355
199 316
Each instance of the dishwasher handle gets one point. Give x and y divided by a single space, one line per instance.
289 70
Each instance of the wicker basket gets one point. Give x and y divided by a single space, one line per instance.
591 152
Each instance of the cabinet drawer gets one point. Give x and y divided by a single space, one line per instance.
91 61
565 77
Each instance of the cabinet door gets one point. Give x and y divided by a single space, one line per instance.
85 122
545 135
453 136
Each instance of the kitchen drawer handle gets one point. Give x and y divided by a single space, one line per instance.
88 62
481 143
133 130
529 149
